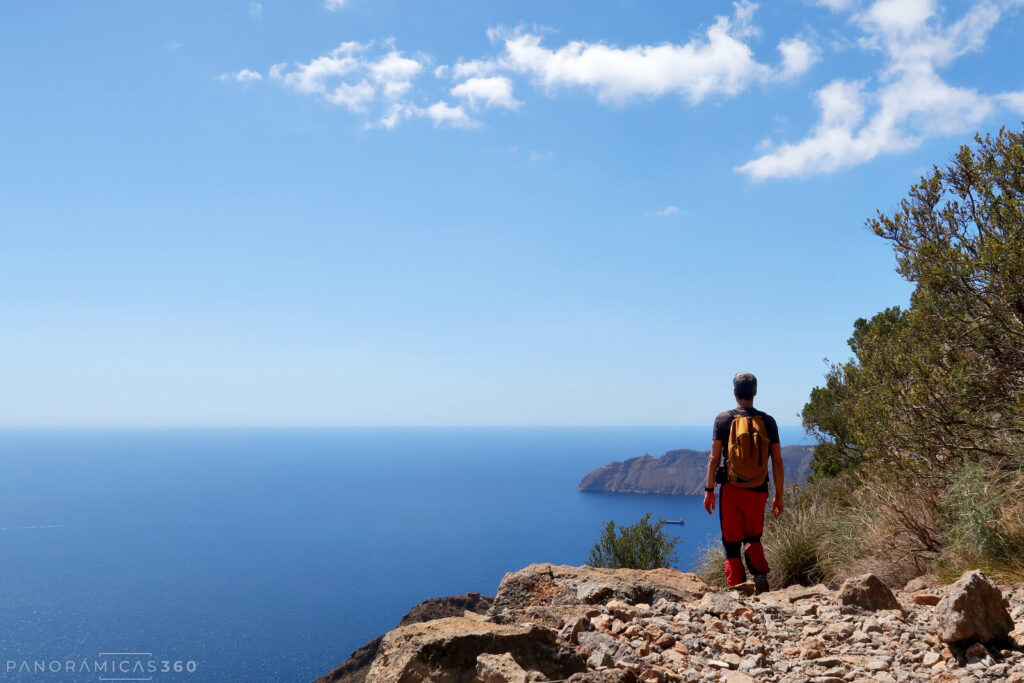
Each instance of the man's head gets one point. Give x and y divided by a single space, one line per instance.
744 385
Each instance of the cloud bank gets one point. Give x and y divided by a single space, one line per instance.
903 104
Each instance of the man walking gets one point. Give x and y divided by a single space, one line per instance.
749 438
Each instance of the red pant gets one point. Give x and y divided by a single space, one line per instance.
742 514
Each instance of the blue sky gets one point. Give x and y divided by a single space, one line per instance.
387 212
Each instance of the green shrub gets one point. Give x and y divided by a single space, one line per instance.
639 546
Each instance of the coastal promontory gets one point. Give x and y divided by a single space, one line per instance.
679 472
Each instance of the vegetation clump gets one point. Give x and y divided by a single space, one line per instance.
644 545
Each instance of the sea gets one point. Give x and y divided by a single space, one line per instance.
271 554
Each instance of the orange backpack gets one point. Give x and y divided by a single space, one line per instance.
746 461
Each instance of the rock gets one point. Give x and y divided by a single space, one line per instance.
717 604
929 599
973 610
448 649
867 592
600 660
976 651
594 641
499 669
926 582
354 669
737 677
607 676
545 593
570 632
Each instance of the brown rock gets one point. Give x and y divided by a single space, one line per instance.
926 582
977 651
354 669
867 592
499 669
737 677
571 631
929 599
973 610
448 650
544 593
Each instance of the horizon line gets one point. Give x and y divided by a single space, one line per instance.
363 426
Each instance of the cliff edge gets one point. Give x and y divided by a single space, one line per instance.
680 472
587 625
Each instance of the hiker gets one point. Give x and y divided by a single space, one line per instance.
749 438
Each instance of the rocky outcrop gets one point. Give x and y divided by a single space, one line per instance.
548 593
973 610
679 472
581 624
355 668
457 649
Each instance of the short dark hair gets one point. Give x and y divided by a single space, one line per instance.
745 385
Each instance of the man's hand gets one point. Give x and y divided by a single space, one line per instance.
777 506
709 502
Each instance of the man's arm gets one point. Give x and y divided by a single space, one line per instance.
778 477
713 460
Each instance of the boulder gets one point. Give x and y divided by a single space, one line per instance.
548 593
867 592
500 669
973 610
449 651
353 670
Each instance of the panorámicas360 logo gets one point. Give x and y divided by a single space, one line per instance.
104 666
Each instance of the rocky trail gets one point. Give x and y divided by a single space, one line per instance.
579 624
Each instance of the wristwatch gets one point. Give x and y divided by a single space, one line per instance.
707 490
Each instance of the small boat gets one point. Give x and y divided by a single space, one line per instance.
673 521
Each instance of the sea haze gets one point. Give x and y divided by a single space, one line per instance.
269 555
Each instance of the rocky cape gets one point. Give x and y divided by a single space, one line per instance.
582 624
681 472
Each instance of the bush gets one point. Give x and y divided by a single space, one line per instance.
984 521
640 546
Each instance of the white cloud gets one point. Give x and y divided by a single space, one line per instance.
1013 101
441 71
333 5
718 63
797 58
538 155
667 211
910 103
495 91
256 10
442 114
836 5
347 77
243 76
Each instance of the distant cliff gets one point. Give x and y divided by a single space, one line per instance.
681 472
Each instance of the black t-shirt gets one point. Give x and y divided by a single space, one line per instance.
724 421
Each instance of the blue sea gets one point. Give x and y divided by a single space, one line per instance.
270 555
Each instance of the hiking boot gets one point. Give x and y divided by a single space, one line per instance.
760 584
